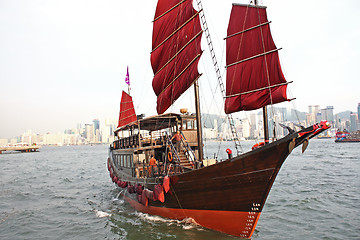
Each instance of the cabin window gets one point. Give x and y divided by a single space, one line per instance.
184 125
190 124
127 161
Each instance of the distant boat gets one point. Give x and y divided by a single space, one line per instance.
323 137
21 147
344 136
173 179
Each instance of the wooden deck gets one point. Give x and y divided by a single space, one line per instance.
20 149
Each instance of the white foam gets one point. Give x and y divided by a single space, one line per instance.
152 218
187 223
120 201
102 214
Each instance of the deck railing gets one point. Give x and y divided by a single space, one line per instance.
145 140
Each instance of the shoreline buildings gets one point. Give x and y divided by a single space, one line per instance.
216 128
89 133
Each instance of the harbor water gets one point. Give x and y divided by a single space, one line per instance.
66 193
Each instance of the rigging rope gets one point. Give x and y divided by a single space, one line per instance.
219 77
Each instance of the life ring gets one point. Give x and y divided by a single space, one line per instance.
170 157
260 144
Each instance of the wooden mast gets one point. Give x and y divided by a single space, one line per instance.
265 115
266 125
198 121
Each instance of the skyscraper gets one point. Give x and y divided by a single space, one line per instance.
353 122
313 111
89 132
359 111
327 114
96 123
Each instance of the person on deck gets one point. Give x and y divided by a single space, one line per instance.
177 138
229 152
152 164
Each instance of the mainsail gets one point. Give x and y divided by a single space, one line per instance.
254 76
175 50
127 112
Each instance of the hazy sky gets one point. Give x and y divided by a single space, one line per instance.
63 62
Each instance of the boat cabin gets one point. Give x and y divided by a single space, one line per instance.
152 137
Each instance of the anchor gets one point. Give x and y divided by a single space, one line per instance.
305 144
291 145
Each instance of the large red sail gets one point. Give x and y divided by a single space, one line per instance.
254 76
127 112
175 50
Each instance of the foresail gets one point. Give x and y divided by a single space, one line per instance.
254 77
127 112
175 50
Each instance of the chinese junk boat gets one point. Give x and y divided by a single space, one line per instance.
173 180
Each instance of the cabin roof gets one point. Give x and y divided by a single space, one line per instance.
156 122
159 122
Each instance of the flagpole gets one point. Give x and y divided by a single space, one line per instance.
127 79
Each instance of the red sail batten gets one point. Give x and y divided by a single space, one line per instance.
176 50
252 62
127 112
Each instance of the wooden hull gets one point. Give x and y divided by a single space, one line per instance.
227 196
231 222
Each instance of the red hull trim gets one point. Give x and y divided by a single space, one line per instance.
241 224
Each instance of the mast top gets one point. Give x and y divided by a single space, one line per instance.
248 5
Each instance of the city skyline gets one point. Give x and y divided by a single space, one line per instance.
214 127
57 71
74 125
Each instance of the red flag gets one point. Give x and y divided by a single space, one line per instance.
127 78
